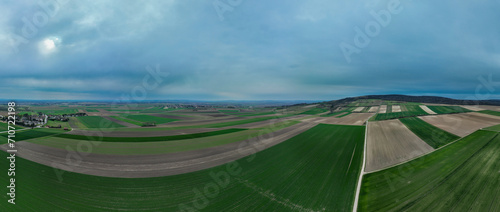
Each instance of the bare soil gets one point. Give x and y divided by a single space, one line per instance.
396 108
383 109
373 109
462 124
391 142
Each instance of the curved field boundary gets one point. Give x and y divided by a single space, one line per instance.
455 178
149 139
137 166
236 186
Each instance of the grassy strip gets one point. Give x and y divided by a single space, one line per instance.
127 120
490 112
448 109
333 114
161 147
149 139
315 111
64 124
148 118
348 113
245 121
98 122
91 110
455 178
255 114
432 135
294 179
30 134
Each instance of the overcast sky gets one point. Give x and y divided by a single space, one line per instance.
248 49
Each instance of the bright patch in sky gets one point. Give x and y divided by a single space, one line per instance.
49 45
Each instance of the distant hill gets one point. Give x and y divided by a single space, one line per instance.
421 99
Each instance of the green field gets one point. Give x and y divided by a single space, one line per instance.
149 139
315 111
160 147
91 110
448 109
122 118
245 121
97 122
411 111
389 109
490 112
493 128
57 123
461 177
4 126
432 135
229 111
31 134
281 178
148 118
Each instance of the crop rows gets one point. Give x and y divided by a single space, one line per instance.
432 135
461 177
304 173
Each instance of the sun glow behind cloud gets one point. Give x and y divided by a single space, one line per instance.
49 45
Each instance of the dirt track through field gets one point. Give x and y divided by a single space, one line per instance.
383 109
391 142
462 124
427 110
140 166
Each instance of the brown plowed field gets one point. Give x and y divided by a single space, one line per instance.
383 109
373 109
396 108
391 142
462 124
